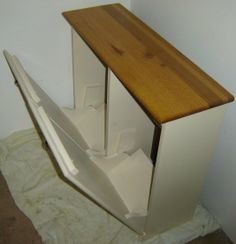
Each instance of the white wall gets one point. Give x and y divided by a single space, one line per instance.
205 32
38 34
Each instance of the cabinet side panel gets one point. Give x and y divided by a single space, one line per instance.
88 74
186 147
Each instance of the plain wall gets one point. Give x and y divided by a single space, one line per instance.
38 34
205 32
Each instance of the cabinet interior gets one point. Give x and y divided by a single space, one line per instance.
117 132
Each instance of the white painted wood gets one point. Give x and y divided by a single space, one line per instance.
128 127
106 164
94 182
89 77
32 90
88 74
25 80
90 179
72 159
56 114
54 142
131 178
90 122
44 123
18 72
186 147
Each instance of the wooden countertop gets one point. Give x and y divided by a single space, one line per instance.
162 80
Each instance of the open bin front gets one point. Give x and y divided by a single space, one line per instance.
109 181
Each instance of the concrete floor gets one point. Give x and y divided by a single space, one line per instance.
16 228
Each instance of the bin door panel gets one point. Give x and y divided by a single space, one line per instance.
69 148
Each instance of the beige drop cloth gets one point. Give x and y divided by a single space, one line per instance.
60 214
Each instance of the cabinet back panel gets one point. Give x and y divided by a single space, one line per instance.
128 127
89 75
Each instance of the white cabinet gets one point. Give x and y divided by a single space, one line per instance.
144 123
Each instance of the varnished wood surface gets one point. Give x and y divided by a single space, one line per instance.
164 82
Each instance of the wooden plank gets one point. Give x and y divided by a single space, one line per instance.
162 80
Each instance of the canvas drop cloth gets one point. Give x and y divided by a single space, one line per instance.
61 214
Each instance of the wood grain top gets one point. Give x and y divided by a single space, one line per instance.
162 80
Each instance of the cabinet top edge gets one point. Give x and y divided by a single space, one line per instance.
162 80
